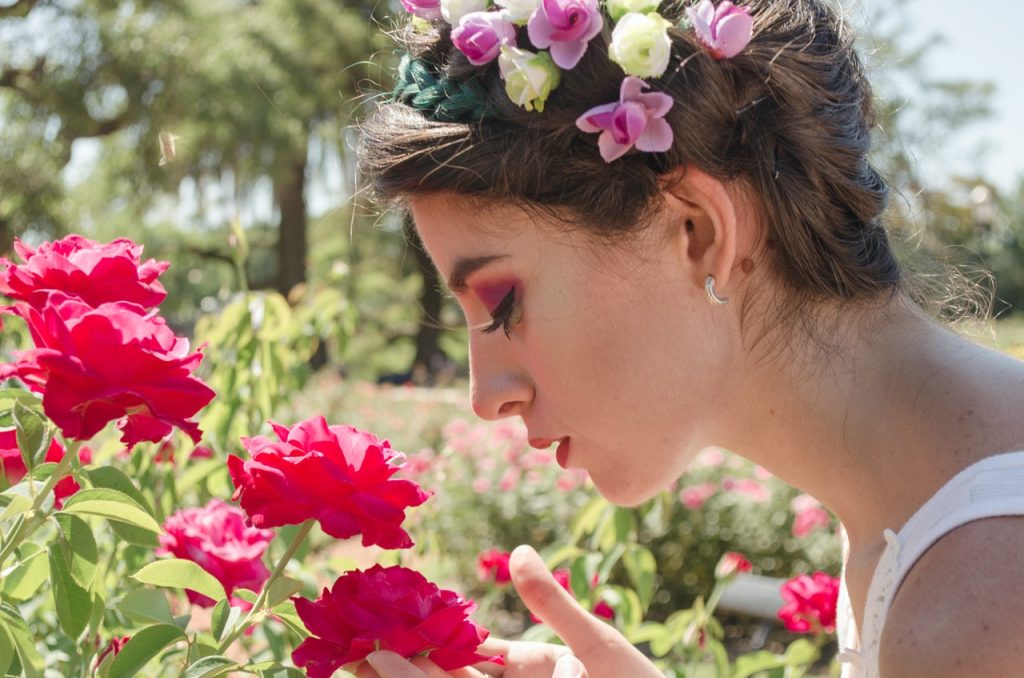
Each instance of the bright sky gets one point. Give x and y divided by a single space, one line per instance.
980 42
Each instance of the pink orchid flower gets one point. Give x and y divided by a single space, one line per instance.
724 30
637 119
566 26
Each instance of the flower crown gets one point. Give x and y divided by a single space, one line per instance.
562 30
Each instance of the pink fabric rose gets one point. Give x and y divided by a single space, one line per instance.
424 9
492 565
724 30
637 119
386 608
12 466
810 603
218 540
93 272
565 26
338 475
112 362
480 36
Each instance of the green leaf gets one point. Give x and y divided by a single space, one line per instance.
198 471
112 505
24 642
32 432
287 614
17 505
6 650
642 568
560 555
143 646
586 520
147 605
282 589
209 667
73 602
801 652
219 618
32 570
78 547
182 574
749 664
115 479
281 672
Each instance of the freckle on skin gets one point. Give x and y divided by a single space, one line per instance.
747 266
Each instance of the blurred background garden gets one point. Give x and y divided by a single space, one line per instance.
220 135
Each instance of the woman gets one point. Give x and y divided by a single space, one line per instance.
710 269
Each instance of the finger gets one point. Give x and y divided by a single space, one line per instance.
593 641
568 666
392 665
363 670
432 670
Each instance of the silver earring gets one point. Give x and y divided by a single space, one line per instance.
709 287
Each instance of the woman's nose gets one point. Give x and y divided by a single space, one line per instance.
498 389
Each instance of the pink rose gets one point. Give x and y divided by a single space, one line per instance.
810 605
13 466
338 475
480 36
386 608
492 565
218 540
731 564
693 497
565 26
810 515
115 361
724 30
81 268
424 9
637 119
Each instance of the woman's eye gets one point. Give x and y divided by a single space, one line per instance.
502 314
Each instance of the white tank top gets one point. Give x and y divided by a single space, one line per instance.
988 488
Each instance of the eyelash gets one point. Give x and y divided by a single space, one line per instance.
502 315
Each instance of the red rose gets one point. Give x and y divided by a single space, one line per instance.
731 564
79 267
13 466
338 475
217 539
492 565
116 361
810 604
386 608
114 646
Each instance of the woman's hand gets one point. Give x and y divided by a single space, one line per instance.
593 649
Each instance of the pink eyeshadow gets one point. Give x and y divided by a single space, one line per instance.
492 294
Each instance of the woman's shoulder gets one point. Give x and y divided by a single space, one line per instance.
960 610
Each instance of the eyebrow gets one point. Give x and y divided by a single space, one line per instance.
467 266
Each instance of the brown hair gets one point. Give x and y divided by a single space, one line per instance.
790 117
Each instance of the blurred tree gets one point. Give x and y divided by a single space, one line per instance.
242 90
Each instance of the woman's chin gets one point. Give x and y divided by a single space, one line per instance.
624 494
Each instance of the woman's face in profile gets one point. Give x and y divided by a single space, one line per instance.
613 347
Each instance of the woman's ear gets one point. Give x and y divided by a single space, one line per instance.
705 210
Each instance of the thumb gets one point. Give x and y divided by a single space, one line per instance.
594 642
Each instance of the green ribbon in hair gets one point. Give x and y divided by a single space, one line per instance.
420 86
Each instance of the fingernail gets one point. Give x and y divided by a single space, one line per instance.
568 666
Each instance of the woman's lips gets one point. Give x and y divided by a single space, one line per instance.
562 453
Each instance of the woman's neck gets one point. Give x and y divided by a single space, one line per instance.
874 436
